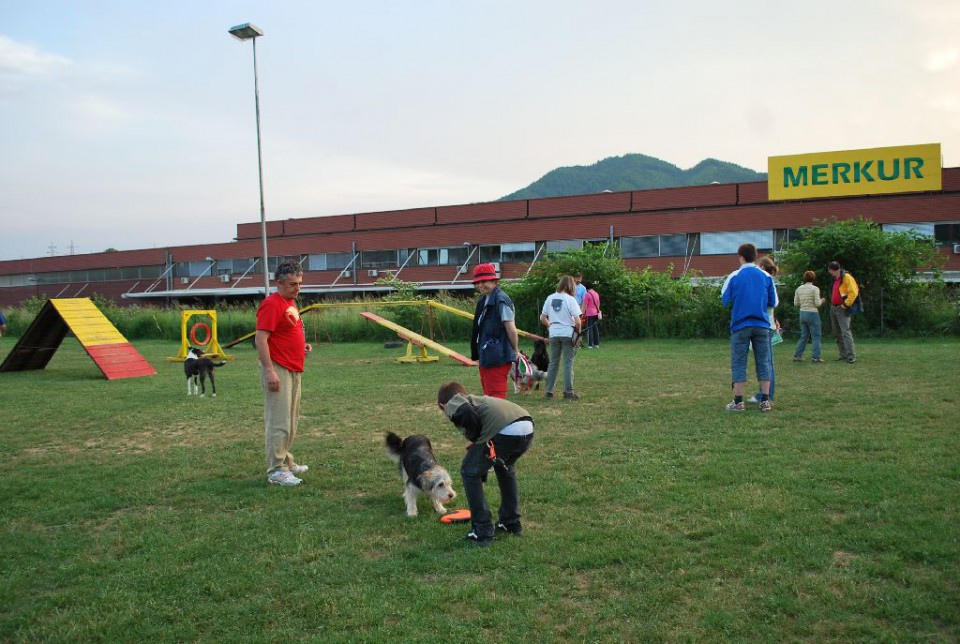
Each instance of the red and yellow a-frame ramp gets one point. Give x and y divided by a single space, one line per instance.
112 353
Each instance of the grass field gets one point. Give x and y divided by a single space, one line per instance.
132 513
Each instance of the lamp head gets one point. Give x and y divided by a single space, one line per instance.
246 31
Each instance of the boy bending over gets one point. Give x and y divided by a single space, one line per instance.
499 432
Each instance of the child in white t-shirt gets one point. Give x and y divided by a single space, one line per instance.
562 314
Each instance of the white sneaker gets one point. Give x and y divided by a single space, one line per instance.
299 469
752 399
285 479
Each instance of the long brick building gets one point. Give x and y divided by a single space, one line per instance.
692 228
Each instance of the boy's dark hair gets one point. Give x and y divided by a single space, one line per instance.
748 252
448 390
834 266
287 268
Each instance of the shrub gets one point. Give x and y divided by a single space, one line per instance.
636 304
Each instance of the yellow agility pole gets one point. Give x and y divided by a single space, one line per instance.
311 307
429 303
469 316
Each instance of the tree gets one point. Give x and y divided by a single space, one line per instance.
635 304
883 263
408 316
598 264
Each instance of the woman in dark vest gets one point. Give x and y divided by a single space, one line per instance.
494 342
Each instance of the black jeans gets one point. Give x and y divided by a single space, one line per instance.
473 471
593 331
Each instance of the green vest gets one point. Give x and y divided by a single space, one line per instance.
495 413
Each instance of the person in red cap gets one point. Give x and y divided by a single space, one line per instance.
493 342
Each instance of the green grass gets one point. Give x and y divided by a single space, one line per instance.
130 512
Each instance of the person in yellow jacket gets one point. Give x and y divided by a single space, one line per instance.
843 294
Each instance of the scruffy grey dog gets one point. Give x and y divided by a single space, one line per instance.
420 472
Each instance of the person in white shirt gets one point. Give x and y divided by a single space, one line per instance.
562 314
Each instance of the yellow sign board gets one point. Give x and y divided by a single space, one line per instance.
905 168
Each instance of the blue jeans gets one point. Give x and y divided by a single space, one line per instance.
810 330
740 342
773 374
473 472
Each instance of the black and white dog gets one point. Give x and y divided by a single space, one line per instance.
197 368
420 472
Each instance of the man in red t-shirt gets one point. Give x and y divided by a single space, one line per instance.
282 347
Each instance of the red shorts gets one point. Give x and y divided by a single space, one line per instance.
494 380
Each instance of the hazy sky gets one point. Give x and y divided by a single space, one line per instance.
131 124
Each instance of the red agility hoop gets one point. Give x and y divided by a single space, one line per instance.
193 334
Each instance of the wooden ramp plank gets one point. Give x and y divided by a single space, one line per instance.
418 339
87 322
118 361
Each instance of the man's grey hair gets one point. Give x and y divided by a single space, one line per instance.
287 268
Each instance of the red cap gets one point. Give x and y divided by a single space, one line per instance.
484 272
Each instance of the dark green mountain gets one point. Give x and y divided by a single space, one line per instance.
632 172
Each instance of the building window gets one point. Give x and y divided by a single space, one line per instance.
679 245
452 256
457 255
947 234
279 259
191 269
234 266
648 246
522 252
338 261
327 261
17 280
783 236
378 259
560 245
673 245
728 243
921 228
489 254
428 257
99 275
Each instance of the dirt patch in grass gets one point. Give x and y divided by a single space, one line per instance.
842 559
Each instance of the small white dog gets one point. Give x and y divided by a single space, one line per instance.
420 472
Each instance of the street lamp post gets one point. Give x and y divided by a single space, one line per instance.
248 31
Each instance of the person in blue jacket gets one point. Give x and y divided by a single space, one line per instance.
749 293
494 343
